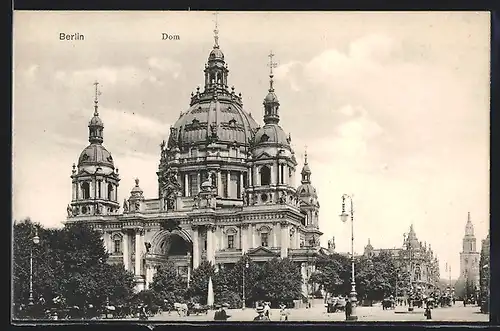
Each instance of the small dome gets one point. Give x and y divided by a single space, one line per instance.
216 54
271 133
271 97
96 154
306 190
96 121
306 169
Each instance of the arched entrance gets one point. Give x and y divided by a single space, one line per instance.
170 246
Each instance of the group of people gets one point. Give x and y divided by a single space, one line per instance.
263 312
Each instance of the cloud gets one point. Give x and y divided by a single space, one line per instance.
166 65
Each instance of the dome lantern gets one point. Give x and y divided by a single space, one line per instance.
271 103
95 125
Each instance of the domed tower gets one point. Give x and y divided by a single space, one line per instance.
368 252
306 192
272 161
209 141
95 179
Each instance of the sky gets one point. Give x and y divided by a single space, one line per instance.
393 108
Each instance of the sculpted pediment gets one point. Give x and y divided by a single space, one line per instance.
261 251
263 155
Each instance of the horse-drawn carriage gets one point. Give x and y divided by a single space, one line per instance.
335 304
197 309
388 303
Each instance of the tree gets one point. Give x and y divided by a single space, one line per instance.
376 276
332 273
168 285
70 263
198 288
279 281
228 282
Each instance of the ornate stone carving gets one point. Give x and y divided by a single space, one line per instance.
196 204
69 210
125 205
331 244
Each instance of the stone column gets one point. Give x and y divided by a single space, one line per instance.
148 280
196 247
210 244
228 183
250 177
244 238
138 252
198 181
241 185
273 174
275 239
285 239
220 190
297 238
92 188
126 257
220 242
253 230
186 185
256 178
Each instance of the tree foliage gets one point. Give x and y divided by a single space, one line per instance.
198 285
168 285
333 273
280 281
69 263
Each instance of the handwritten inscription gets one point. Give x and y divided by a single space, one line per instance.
71 36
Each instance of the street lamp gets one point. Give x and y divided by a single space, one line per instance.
410 257
245 266
36 241
310 296
344 217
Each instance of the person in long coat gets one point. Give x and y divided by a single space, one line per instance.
348 309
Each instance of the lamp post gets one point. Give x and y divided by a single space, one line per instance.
344 217
410 265
310 295
36 241
245 266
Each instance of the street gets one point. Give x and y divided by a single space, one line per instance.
455 313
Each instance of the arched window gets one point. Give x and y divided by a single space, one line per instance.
265 175
110 191
264 236
86 190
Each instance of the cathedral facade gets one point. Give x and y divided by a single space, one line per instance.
226 187
469 256
416 258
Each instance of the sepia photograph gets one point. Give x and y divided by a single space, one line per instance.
182 166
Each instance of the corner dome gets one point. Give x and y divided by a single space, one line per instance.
271 97
271 133
306 190
96 154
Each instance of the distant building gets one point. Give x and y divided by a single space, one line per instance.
469 257
484 273
414 257
226 186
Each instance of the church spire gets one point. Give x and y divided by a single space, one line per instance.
271 103
306 171
96 126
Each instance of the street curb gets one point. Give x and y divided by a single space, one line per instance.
409 312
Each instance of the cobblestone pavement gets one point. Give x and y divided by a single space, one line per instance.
367 314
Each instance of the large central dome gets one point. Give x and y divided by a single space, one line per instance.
216 113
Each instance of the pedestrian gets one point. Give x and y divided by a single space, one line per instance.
428 313
283 312
220 313
267 309
348 310
260 315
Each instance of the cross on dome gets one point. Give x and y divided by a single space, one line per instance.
216 30
97 94
271 65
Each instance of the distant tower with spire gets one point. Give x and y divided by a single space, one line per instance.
469 257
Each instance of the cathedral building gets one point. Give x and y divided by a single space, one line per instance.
414 257
226 187
469 257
